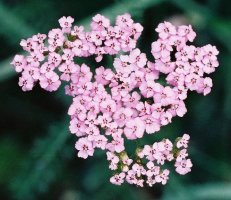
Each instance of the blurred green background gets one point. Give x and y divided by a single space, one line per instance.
37 156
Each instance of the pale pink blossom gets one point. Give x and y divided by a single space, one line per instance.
183 142
187 32
165 30
184 166
116 145
152 169
66 23
85 148
19 63
50 82
32 72
162 177
26 83
207 85
77 127
134 128
99 22
118 179
138 58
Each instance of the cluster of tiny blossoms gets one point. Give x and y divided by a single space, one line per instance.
126 101
147 167
56 55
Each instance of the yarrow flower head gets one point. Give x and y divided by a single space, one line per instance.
128 100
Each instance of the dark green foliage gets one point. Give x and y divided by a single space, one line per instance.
37 156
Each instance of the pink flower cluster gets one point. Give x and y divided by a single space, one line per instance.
185 65
126 101
147 167
53 54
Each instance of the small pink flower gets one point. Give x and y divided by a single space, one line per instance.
128 44
47 68
210 52
181 92
66 23
19 63
50 82
112 157
132 100
126 160
207 85
149 152
137 30
99 22
152 125
67 70
134 128
112 46
27 45
143 108
34 59
39 38
138 169
54 59
32 72
178 108
77 127
161 50
162 177
57 36
26 83
122 115
85 148
123 64
117 179
92 132
187 32
164 95
165 67
192 81
68 55
138 58
148 88
114 160
99 141
182 155
177 41
157 110
175 79
104 119
210 65
150 181
124 20
152 169
103 76
183 142
184 166
78 31
165 118
117 145
85 74
131 177
79 47
185 54
108 106
165 30
78 110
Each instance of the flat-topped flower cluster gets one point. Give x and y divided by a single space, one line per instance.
128 100
147 167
